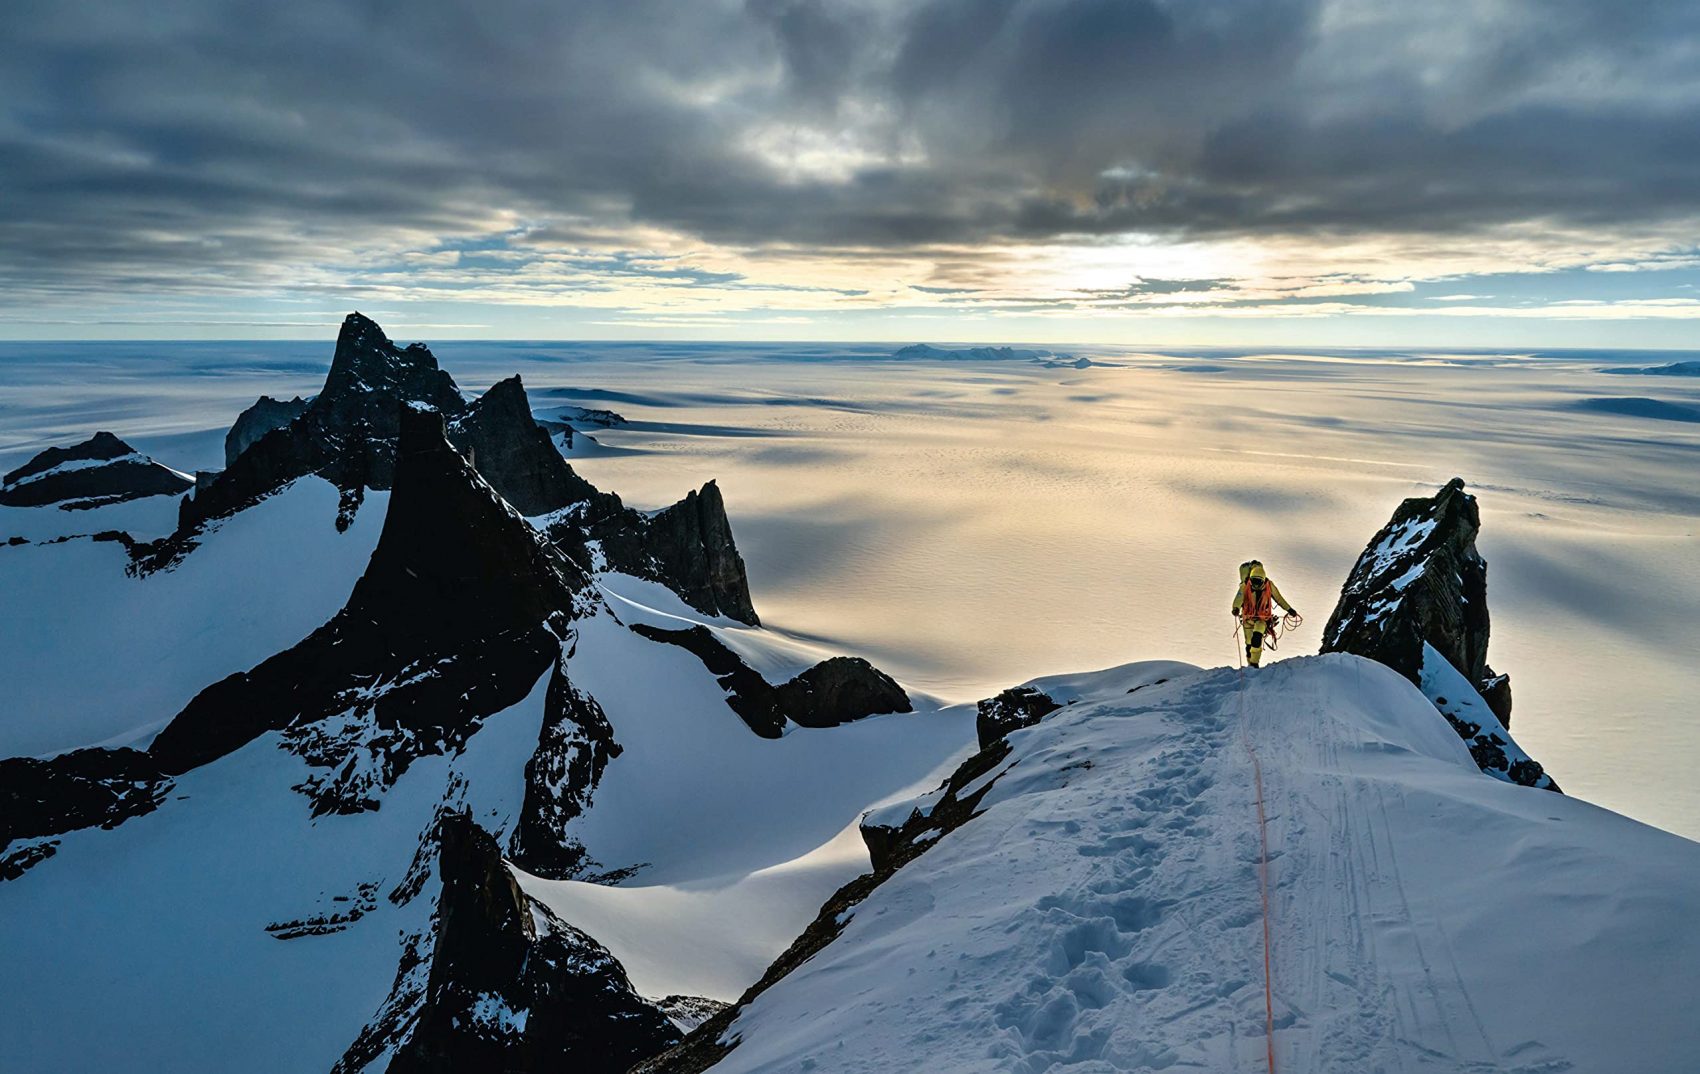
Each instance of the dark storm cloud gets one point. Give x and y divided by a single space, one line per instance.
207 144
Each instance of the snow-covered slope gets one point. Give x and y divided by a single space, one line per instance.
1103 911
184 940
93 654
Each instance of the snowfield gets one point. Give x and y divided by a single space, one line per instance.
737 839
91 655
1103 914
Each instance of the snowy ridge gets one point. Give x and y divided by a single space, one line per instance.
1102 911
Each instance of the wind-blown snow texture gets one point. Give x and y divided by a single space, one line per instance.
1102 913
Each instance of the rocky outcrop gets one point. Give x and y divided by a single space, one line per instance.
1015 708
265 415
833 692
82 789
505 444
510 986
1420 588
1419 580
460 611
687 546
839 690
574 747
347 434
101 470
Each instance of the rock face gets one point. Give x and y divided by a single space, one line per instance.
833 692
265 415
503 442
458 614
101 470
81 789
1015 708
839 690
689 547
1420 588
573 749
1420 580
347 434
510 986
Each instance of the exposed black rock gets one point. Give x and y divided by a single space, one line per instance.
346 434
688 1012
453 558
833 692
459 612
80 789
574 747
687 546
1015 708
511 987
935 815
1421 581
265 415
748 694
507 446
839 690
102 469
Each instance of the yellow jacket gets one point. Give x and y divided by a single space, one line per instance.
1274 594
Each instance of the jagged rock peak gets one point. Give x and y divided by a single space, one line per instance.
512 986
693 541
1419 580
366 361
1416 600
265 415
102 469
503 441
453 556
461 608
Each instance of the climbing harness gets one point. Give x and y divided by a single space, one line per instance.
1263 857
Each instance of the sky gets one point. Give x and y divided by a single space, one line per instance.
1341 172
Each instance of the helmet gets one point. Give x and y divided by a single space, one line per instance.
1256 574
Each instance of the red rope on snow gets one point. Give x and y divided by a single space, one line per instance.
1262 874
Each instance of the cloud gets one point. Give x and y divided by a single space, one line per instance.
608 151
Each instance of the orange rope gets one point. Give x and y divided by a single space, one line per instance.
1262 876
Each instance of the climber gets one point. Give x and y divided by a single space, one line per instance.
1254 607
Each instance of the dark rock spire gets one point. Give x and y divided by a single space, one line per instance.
1419 587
